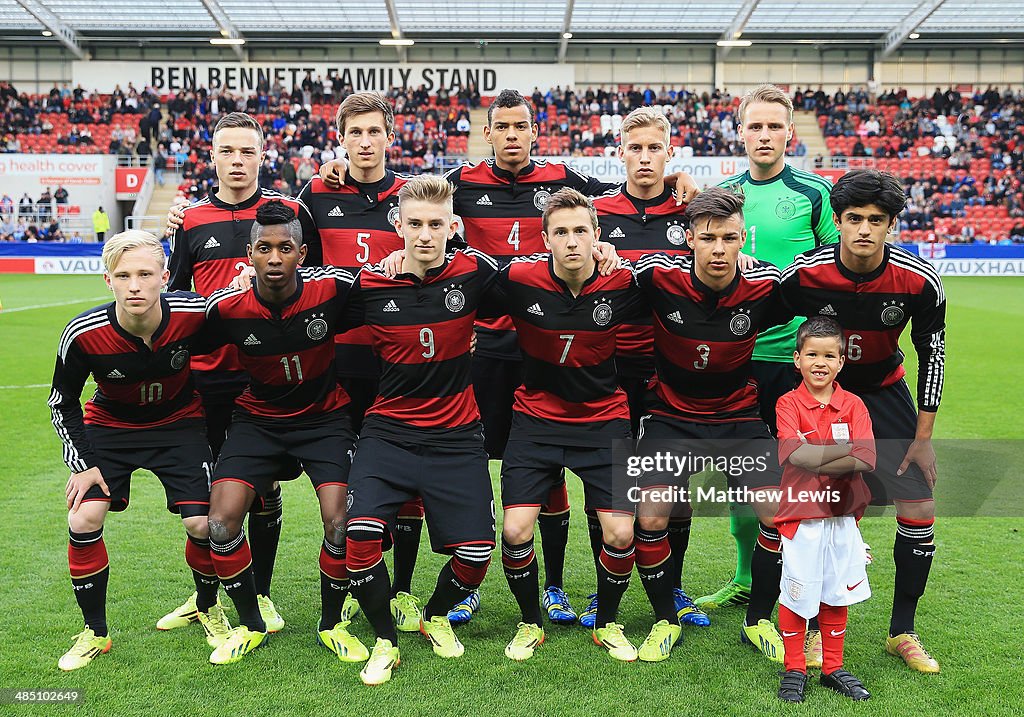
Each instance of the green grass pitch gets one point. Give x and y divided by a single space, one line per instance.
970 616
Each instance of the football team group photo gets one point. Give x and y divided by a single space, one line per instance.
505 392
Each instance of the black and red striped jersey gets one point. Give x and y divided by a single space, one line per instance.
421 330
501 215
286 349
570 394
636 227
703 339
873 310
137 387
356 224
209 250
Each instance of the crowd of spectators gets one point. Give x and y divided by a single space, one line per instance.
76 121
176 130
28 219
961 156
587 122
301 136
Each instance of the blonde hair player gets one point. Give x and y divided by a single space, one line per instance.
145 413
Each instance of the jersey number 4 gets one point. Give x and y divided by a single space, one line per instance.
513 236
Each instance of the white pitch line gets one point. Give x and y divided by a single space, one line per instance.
47 306
88 384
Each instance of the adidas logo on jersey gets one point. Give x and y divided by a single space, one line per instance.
535 310
828 311
115 374
617 233
484 201
391 306
676 316
336 212
251 340
211 243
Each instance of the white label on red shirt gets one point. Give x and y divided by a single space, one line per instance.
841 432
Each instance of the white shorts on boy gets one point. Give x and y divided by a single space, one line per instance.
825 562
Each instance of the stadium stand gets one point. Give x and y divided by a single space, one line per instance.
961 158
587 124
176 129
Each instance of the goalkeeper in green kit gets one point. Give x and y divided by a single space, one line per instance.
787 212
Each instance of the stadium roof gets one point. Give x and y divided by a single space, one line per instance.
88 22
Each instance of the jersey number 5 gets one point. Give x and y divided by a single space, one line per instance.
363 255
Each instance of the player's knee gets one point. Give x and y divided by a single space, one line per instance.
917 510
198 526
85 521
223 530
653 523
517 532
766 510
334 529
619 534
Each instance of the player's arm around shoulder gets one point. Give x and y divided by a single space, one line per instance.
778 309
790 276
353 309
632 302
180 261
497 288
648 266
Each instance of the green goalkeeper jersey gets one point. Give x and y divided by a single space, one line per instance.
785 215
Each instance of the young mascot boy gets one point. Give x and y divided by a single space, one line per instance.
825 440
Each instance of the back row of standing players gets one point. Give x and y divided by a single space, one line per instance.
500 203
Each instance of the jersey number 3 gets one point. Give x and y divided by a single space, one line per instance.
704 352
